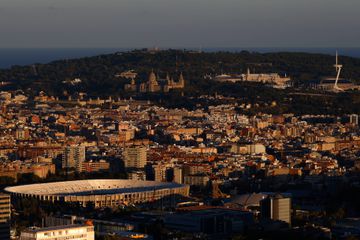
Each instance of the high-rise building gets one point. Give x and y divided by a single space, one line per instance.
73 157
5 213
276 207
135 157
74 232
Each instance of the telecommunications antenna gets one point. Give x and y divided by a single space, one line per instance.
338 68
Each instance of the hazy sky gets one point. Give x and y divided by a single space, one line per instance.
179 23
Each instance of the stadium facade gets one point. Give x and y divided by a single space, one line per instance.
103 192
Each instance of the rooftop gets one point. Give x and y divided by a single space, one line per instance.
54 228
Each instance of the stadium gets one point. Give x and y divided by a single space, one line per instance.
103 192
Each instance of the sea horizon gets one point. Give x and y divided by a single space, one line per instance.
10 57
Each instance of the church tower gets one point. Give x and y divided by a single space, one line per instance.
181 81
152 78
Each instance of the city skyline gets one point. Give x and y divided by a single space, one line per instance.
179 119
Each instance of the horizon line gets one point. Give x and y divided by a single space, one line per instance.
184 48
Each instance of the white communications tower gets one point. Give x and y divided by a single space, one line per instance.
338 68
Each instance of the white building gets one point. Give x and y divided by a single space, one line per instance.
73 232
266 78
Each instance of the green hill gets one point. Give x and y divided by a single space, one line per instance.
98 75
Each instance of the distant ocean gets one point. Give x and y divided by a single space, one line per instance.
14 56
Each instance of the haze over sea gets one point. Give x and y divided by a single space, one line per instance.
26 56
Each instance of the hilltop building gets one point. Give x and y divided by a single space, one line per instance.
272 78
155 84
266 78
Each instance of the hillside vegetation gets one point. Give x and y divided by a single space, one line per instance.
98 75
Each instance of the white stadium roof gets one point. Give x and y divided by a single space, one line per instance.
90 187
